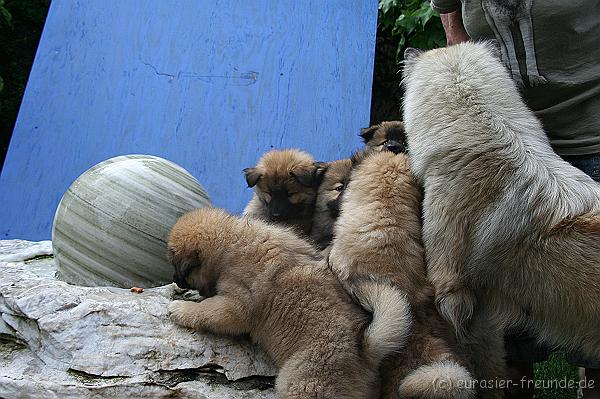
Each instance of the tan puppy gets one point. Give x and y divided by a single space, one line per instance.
378 234
265 281
329 196
285 189
512 231
387 136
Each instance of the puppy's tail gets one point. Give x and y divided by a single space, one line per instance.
391 321
444 379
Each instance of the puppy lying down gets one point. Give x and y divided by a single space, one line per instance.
265 281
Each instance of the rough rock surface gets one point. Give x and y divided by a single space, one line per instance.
60 340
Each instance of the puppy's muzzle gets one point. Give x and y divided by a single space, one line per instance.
394 146
334 208
181 283
183 267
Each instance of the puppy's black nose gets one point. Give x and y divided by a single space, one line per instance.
394 146
276 217
276 213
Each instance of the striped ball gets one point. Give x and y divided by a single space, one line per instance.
111 226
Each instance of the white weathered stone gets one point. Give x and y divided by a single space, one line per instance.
74 341
20 250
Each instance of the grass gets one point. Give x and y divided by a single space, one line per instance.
553 372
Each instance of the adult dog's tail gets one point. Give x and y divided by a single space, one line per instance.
391 321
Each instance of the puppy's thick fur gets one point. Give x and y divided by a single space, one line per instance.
511 231
329 196
265 281
378 234
285 189
386 136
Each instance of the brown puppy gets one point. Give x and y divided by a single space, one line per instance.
378 234
387 135
384 137
265 281
285 189
329 197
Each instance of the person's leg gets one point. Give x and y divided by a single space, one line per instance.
522 350
591 386
521 374
589 164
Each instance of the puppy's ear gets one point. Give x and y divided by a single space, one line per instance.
368 132
412 53
321 168
397 127
252 176
358 156
305 175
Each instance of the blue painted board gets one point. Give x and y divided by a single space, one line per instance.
210 85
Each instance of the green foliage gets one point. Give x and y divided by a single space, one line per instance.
411 23
555 369
5 21
401 23
5 17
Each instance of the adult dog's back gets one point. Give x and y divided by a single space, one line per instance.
512 232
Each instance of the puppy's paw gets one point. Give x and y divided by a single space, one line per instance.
182 313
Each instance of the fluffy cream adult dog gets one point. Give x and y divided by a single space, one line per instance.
329 196
265 281
285 189
378 234
511 231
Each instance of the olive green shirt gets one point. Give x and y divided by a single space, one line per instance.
552 48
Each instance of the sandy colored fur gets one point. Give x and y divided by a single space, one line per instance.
338 174
378 234
328 201
510 229
440 379
274 286
276 169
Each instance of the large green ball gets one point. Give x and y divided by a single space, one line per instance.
111 226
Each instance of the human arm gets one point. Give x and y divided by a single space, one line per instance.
454 28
